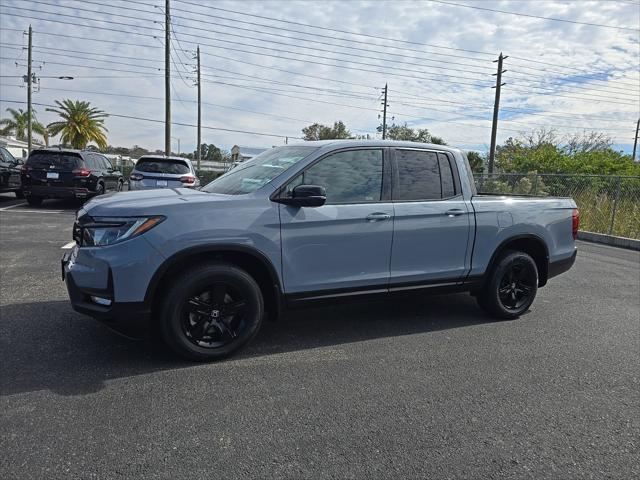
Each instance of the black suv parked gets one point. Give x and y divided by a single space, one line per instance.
9 173
59 173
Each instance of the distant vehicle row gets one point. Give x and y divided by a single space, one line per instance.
64 173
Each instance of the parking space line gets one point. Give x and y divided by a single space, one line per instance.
12 206
39 211
67 246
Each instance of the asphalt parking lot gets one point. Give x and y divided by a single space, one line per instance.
430 388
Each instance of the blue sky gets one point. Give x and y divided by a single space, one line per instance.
265 76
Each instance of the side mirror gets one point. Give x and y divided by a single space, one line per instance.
306 196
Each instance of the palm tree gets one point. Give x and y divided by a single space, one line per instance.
81 123
17 125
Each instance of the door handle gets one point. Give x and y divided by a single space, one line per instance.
454 212
378 216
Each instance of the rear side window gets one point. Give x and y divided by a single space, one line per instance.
59 160
446 175
419 175
354 176
424 176
156 165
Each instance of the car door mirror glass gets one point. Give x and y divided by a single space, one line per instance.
306 196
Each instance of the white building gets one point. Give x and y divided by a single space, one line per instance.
18 148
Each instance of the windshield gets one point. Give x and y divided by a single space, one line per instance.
253 174
61 160
162 165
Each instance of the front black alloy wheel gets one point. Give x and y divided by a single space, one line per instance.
511 287
215 316
210 311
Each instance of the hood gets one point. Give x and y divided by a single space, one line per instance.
146 202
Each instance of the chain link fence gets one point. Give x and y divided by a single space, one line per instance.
608 204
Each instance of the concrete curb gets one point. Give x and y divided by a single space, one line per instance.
622 242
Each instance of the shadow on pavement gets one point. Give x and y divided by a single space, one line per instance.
48 346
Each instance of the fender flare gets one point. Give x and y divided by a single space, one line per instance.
214 248
543 275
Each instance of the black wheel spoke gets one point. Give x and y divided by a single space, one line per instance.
199 329
234 308
196 305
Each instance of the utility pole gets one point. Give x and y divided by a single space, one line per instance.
199 155
635 141
29 80
384 114
167 80
496 109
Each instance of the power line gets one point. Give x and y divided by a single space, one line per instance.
297 53
378 37
209 7
248 132
534 16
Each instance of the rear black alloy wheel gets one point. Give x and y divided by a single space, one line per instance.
210 311
119 188
99 189
511 287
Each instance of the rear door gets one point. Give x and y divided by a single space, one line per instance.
110 178
162 172
343 246
431 223
54 169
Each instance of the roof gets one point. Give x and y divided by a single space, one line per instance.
163 157
377 143
250 150
12 141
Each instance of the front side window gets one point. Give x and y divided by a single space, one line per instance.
6 157
249 176
354 176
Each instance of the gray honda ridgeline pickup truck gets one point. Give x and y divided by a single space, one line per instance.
320 221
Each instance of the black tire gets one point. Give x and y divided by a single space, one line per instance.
34 201
99 189
511 287
192 313
119 187
19 194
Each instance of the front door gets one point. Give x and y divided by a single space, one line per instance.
343 246
431 224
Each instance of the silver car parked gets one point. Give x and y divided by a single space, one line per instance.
156 171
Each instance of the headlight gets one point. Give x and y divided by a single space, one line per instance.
107 231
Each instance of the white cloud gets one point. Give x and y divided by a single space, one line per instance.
415 97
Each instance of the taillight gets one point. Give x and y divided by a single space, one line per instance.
575 223
82 172
135 177
188 179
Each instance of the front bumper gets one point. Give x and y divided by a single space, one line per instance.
88 276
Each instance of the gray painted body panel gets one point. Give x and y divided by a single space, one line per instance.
328 247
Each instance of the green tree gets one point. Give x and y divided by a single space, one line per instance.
17 125
81 123
475 161
404 132
325 132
